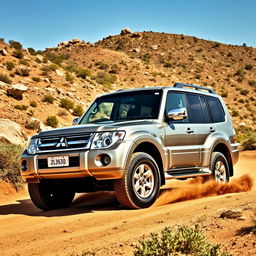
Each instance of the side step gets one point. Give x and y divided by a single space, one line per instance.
187 174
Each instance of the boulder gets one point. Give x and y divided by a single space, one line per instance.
11 132
136 34
3 52
16 91
125 31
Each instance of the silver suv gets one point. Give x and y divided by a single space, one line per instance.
132 141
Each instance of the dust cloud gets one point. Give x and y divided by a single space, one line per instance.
196 188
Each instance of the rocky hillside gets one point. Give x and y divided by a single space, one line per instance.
59 82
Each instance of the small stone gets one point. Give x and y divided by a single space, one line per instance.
59 72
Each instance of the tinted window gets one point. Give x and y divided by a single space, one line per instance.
205 108
195 109
175 101
216 109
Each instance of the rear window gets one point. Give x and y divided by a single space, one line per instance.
216 109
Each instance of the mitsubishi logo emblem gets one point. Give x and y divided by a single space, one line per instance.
63 143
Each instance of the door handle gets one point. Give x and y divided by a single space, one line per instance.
212 130
189 131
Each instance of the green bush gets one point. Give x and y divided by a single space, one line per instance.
248 67
235 113
48 68
32 124
78 110
49 99
102 65
168 65
66 103
10 65
57 59
5 78
18 54
2 39
184 241
252 83
244 92
69 77
36 79
15 44
33 104
224 94
52 121
31 51
83 72
38 60
23 62
21 107
247 140
10 164
105 78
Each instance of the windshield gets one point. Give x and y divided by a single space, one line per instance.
124 106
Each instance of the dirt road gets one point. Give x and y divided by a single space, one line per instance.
98 224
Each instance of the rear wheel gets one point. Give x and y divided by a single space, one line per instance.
139 188
219 167
47 196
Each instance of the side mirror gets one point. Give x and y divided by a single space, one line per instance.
177 114
76 120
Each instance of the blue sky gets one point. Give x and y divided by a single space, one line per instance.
45 23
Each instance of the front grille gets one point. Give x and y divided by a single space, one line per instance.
74 161
65 142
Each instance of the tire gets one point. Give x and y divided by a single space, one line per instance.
48 196
219 167
140 186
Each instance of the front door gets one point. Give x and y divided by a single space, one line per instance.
180 135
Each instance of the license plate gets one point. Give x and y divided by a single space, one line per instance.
58 161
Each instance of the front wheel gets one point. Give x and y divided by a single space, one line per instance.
48 196
139 188
219 167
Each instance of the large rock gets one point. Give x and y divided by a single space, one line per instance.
231 214
16 91
3 52
125 31
11 132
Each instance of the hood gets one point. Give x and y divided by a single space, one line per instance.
91 128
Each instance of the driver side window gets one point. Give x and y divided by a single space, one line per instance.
102 111
174 101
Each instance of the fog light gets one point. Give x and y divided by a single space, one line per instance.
105 160
24 165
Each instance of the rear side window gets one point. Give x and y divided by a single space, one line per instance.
205 108
195 109
216 109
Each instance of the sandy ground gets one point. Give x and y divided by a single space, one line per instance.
97 224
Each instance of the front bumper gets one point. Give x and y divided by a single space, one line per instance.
86 165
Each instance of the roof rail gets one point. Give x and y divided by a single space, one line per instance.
196 87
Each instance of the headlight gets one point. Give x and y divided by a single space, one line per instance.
32 147
106 139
